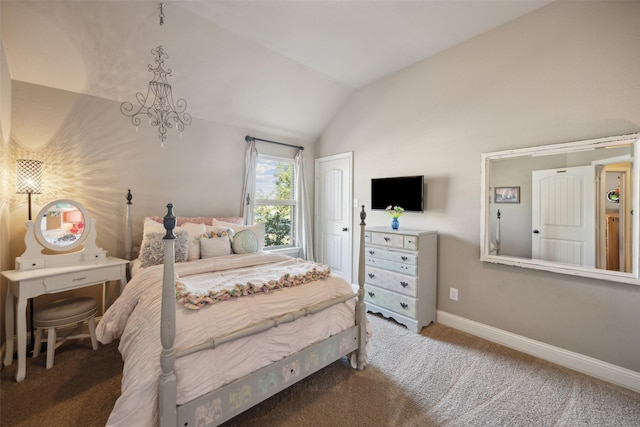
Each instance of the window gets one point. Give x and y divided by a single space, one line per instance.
275 200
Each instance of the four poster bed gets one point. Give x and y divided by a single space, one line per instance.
210 336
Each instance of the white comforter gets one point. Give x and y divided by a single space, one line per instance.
134 318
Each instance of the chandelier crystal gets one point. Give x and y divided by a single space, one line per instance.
158 103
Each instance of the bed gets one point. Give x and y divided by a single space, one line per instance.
205 338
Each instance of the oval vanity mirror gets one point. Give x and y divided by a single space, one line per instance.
62 225
568 208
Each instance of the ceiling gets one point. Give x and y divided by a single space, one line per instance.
282 67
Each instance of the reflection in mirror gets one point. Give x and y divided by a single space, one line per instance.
61 225
570 208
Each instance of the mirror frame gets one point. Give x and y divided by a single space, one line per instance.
79 242
563 148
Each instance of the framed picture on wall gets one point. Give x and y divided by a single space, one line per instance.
507 195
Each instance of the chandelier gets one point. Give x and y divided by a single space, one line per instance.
158 103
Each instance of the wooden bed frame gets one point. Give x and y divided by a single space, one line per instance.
230 400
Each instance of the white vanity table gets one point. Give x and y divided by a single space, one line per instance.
38 274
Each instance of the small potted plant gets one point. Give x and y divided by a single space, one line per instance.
395 212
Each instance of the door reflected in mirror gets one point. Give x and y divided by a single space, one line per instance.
575 208
61 225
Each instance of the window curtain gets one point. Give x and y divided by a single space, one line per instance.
250 161
303 213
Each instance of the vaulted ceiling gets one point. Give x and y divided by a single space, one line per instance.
285 67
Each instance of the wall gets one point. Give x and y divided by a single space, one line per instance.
6 261
93 154
568 71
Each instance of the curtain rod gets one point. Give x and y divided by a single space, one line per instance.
250 138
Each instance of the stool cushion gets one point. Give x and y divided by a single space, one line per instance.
65 312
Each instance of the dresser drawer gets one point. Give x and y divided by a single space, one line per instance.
404 258
410 242
73 280
396 282
401 304
388 239
393 240
398 267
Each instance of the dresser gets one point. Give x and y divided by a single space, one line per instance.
401 275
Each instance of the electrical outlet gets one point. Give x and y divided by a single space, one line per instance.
453 294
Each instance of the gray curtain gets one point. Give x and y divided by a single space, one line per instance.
303 213
248 187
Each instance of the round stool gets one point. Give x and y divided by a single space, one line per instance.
62 313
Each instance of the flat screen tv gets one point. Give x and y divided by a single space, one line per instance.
403 191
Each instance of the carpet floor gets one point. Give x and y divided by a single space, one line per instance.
442 377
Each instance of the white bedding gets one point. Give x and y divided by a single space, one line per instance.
134 318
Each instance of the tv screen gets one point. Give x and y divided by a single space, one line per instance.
403 191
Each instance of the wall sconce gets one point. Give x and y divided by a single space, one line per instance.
28 178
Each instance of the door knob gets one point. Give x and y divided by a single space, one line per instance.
536 232
345 229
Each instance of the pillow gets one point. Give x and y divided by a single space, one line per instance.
218 230
214 246
258 230
195 231
182 219
200 219
231 219
244 242
152 252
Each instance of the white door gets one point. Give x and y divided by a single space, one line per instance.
333 194
563 217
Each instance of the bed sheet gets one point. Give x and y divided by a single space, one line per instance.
134 318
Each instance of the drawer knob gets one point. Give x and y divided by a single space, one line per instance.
372 252
371 294
404 258
404 305
371 275
386 239
404 284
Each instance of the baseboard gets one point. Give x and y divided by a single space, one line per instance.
578 362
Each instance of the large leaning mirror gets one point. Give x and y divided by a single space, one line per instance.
567 208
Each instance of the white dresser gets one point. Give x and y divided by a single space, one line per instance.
401 275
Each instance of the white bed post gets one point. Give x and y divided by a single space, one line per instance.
128 234
361 313
167 387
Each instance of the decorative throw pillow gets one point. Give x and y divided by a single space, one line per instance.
258 230
193 230
182 219
219 231
214 246
230 219
244 242
152 252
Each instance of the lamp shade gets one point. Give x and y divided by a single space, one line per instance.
28 176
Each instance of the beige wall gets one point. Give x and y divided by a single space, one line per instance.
5 130
93 154
568 71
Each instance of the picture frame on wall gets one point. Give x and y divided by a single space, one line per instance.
507 195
